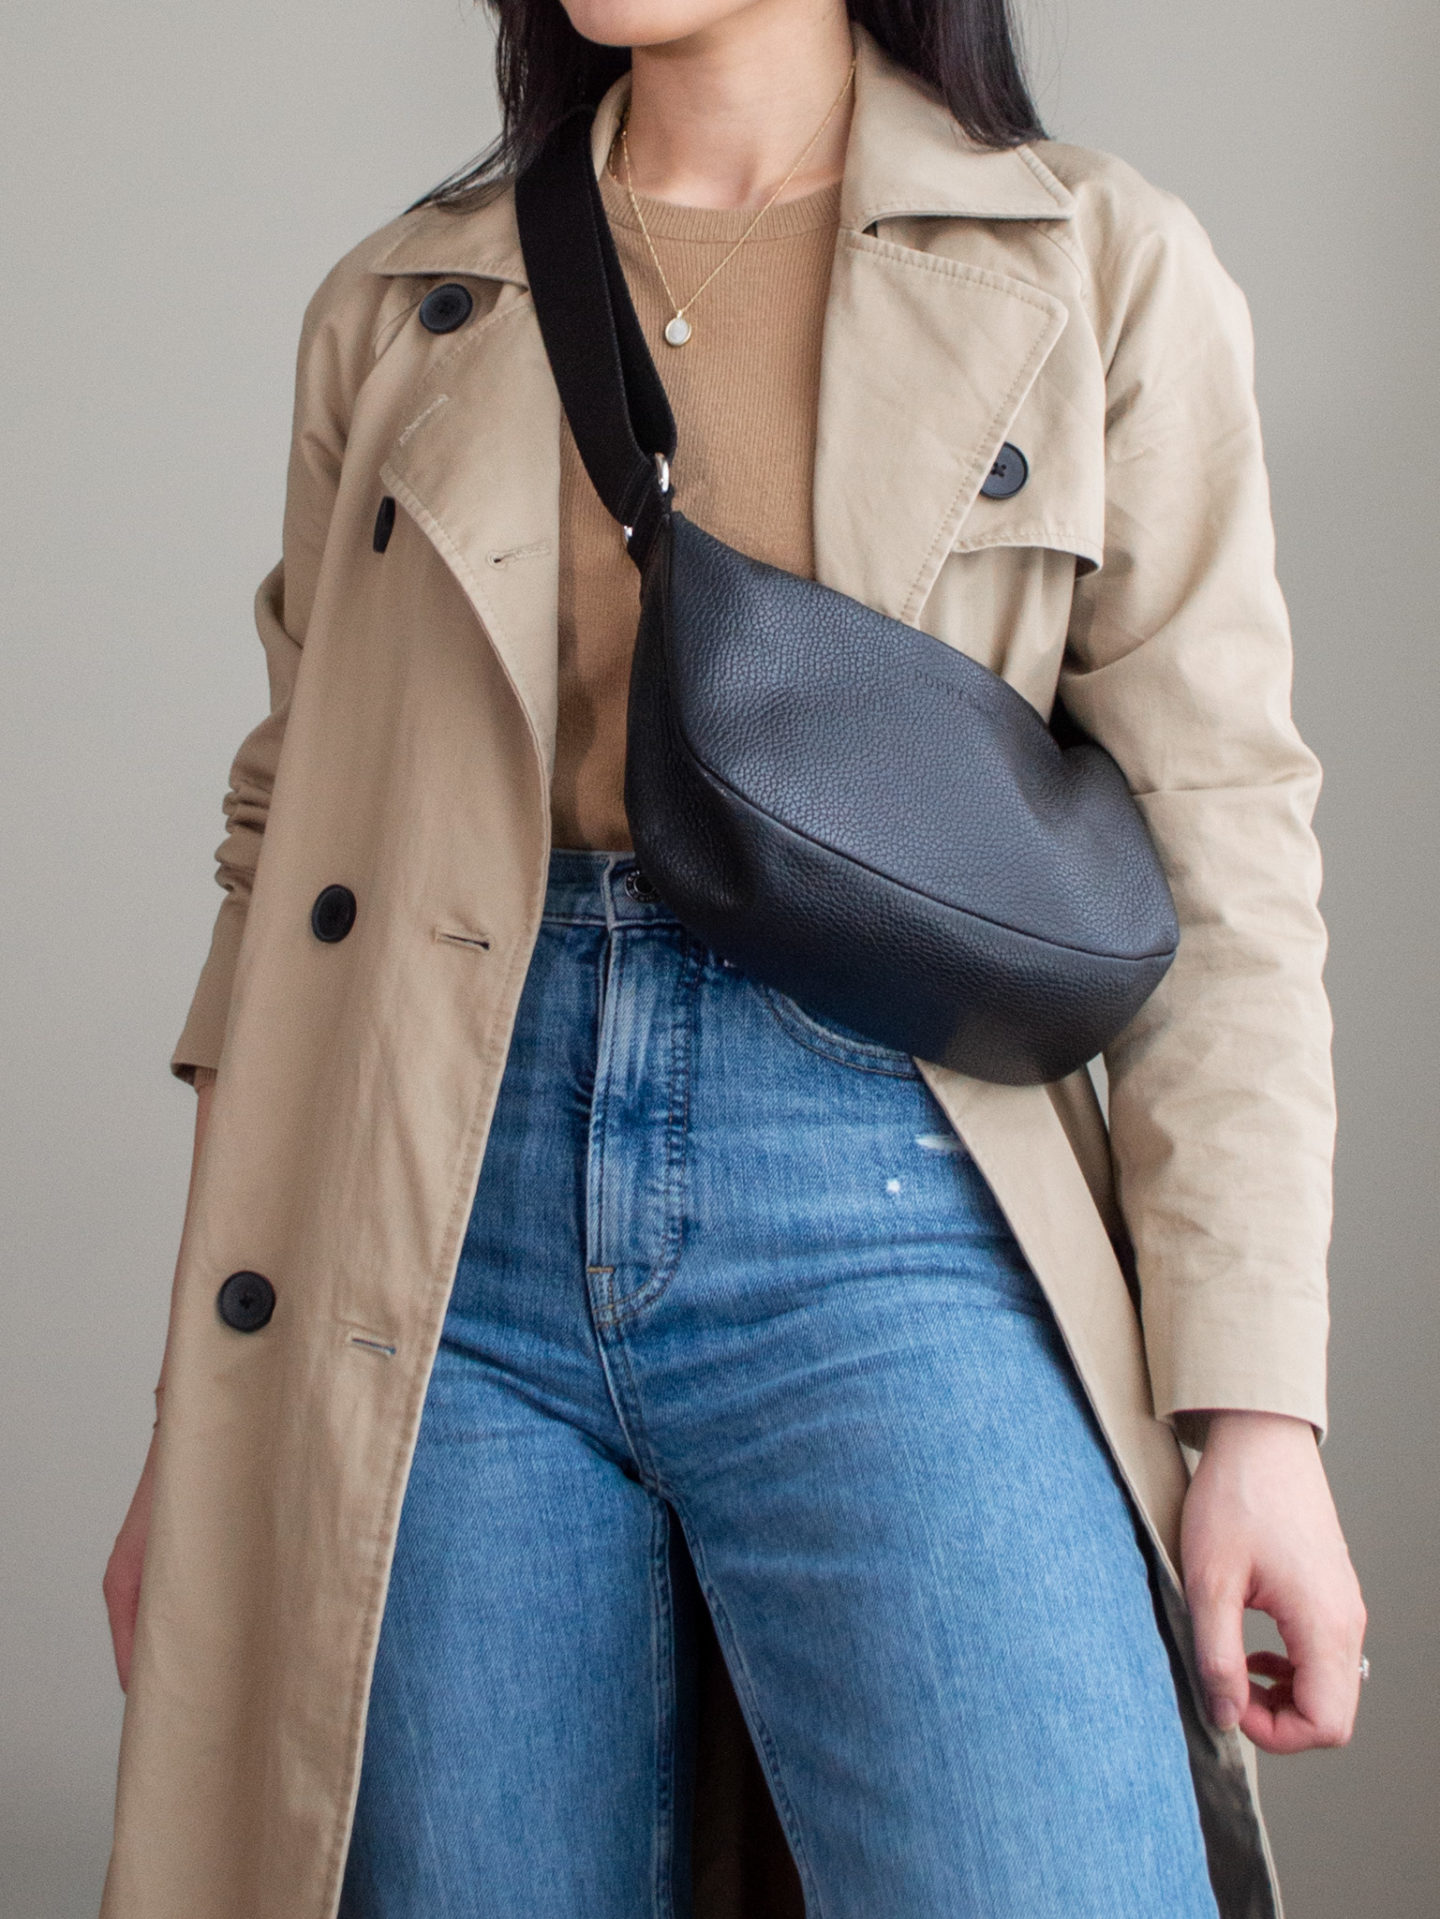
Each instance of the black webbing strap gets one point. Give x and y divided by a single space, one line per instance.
609 388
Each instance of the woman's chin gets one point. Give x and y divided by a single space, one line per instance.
648 23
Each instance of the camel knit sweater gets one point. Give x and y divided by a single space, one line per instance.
744 390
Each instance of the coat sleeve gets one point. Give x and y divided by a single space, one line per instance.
328 371
1179 662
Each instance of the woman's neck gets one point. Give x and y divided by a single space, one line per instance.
717 118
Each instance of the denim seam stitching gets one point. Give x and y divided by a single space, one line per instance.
607 882
598 1260
617 1361
816 1039
677 1127
666 1710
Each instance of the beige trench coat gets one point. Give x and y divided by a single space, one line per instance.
1045 296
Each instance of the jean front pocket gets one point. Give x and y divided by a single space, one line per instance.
831 1040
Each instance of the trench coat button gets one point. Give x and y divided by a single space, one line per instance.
384 525
445 308
639 888
333 914
1009 473
246 1301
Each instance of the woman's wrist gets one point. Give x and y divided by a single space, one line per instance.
1198 1427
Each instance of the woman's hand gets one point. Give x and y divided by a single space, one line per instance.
1260 1529
121 1584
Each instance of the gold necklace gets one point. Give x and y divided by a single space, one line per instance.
677 328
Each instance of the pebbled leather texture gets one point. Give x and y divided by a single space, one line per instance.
847 808
879 826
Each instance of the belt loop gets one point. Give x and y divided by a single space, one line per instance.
608 888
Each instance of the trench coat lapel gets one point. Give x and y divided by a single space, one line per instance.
478 468
925 360
908 429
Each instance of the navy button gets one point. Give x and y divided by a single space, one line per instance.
639 888
1009 473
445 308
246 1301
384 525
333 914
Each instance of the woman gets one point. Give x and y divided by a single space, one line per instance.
520 1208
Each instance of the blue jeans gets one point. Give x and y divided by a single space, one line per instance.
729 1269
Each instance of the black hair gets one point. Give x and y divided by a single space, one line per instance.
964 49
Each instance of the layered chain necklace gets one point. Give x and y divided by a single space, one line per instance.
678 328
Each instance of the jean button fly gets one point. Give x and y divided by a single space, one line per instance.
639 888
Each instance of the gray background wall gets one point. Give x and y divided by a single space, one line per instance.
177 180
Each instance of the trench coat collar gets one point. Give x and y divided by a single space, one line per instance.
925 359
905 157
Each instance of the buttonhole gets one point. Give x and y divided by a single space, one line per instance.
461 939
384 524
532 551
372 1345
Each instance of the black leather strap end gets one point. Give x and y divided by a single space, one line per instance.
654 511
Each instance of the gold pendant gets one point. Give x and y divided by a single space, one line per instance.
677 331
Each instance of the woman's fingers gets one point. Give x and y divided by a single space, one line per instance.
1217 1609
1309 1589
1271 1665
1309 1701
1314 1704
1279 1723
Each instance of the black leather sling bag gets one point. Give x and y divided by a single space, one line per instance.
848 809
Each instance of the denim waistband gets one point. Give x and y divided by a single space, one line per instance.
601 889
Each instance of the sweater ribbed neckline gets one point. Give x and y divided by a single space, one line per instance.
720 226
